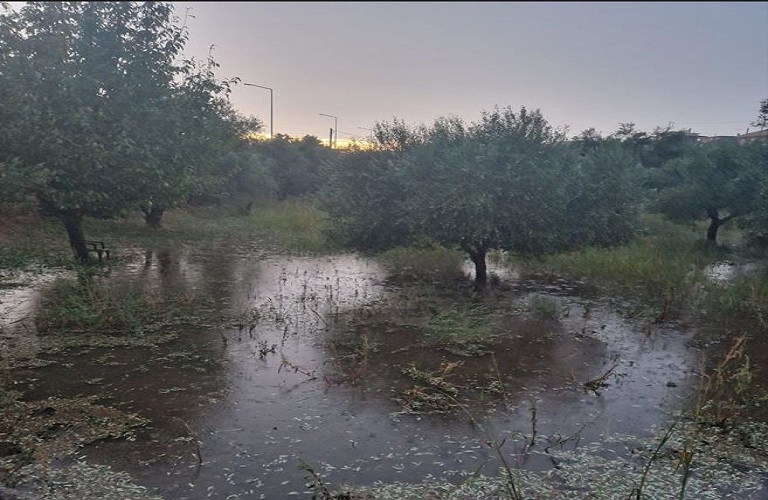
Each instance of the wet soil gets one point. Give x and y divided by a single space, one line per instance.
311 360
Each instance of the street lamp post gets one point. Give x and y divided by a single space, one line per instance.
271 107
335 129
370 133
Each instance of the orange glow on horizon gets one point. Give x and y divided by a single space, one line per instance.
257 136
350 143
343 144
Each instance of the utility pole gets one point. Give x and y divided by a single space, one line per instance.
334 130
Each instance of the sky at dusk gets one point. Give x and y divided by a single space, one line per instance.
698 65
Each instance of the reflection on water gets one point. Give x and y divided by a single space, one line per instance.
18 340
723 272
258 397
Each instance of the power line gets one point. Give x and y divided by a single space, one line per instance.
711 123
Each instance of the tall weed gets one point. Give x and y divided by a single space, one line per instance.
744 298
90 305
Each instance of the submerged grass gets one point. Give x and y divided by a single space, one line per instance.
464 323
92 304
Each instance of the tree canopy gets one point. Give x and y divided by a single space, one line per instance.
508 182
100 114
715 181
762 117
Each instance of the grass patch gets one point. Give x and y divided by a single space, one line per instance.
89 304
29 241
292 225
298 226
468 326
424 264
726 389
663 268
744 298
544 308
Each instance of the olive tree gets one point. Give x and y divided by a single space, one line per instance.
719 182
98 112
365 200
508 182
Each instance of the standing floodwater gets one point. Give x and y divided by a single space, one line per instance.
255 395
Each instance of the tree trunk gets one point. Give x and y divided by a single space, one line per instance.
153 216
481 272
714 224
73 223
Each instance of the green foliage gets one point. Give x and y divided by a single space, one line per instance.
188 143
365 201
508 182
293 164
588 139
755 223
762 117
278 168
254 180
665 145
490 185
97 114
715 181
603 200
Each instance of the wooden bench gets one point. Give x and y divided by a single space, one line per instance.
99 248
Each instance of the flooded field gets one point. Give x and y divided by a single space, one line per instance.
324 367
